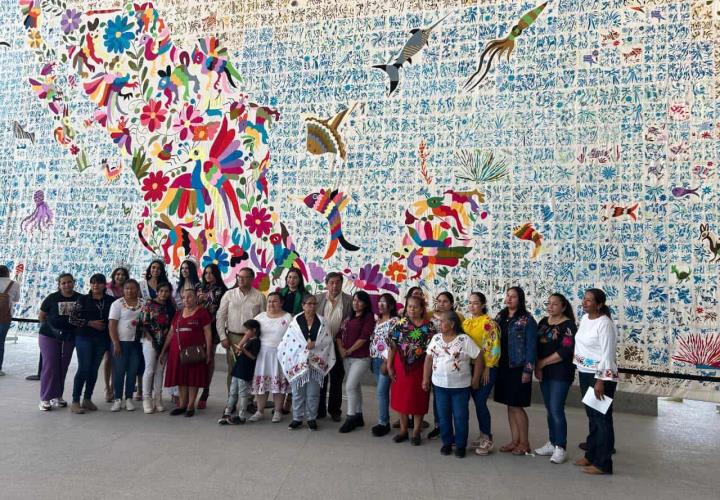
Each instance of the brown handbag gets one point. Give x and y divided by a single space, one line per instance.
191 355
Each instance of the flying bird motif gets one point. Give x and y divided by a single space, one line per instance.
418 39
323 136
503 46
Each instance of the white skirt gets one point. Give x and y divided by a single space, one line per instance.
269 376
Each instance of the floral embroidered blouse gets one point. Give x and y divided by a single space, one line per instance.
380 339
212 295
451 361
596 348
155 322
411 341
486 334
557 339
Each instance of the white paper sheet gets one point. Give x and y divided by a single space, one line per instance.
600 405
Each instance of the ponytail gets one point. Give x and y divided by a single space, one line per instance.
600 300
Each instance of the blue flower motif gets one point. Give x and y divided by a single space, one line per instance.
217 256
118 34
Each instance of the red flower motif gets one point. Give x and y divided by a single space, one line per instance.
155 185
74 149
205 132
185 120
258 222
396 272
153 115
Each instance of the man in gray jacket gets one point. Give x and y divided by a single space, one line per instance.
334 305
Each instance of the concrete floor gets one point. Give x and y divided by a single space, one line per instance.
132 455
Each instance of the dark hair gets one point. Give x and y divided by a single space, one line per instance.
392 303
307 297
163 274
64 275
215 271
481 297
450 297
600 299
567 306
115 271
522 307
98 278
134 282
276 293
411 290
248 269
4 272
454 318
332 275
193 278
164 284
301 285
363 297
254 325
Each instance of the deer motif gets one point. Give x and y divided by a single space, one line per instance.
714 242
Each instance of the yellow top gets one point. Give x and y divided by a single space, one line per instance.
486 334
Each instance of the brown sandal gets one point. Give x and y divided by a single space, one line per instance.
507 448
520 451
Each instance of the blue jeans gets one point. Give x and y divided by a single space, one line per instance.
382 392
452 405
90 352
480 397
125 368
601 438
554 394
305 400
4 328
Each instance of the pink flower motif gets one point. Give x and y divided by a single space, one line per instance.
185 120
258 222
153 115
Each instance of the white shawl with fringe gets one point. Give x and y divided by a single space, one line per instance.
301 365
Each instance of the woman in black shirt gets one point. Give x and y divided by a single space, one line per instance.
555 371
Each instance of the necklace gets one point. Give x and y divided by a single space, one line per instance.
100 304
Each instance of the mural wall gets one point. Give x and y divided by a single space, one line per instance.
455 145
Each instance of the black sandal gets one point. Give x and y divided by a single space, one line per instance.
416 440
400 438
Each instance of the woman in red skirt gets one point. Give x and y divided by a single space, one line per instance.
408 342
190 327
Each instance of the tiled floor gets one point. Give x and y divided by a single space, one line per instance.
132 455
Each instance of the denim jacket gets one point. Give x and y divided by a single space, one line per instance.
521 334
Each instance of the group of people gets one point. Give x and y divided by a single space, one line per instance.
306 350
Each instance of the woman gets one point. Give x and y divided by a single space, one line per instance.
352 344
90 316
595 358
56 341
555 371
387 315
124 315
449 365
115 289
269 377
518 345
408 342
444 303
190 328
117 280
153 327
306 354
486 334
189 277
211 291
154 274
293 292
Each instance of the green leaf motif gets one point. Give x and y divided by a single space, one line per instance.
140 163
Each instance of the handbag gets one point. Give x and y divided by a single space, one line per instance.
191 355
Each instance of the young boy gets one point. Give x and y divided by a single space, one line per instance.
242 374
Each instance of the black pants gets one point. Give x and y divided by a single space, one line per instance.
601 438
333 381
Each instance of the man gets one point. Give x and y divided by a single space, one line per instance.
238 305
9 296
334 305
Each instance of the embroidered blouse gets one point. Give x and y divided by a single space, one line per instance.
560 339
451 361
596 348
411 341
486 334
380 338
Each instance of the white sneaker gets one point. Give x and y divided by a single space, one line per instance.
58 403
559 455
129 405
148 405
485 447
476 442
277 416
158 405
2 373
546 450
117 404
45 405
256 417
